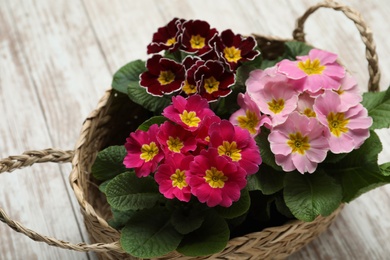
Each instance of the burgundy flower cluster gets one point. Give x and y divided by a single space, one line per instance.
209 64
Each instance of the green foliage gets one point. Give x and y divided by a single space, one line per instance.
186 220
310 195
238 208
267 180
151 121
128 74
138 95
245 68
150 234
296 48
265 150
120 218
378 106
358 172
128 192
109 163
385 169
210 238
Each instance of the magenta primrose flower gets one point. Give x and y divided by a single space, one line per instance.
215 180
143 151
175 139
319 69
299 143
164 76
172 179
249 116
236 144
189 113
346 129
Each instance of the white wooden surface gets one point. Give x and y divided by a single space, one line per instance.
58 57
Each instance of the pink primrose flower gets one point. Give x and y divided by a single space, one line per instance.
347 129
299 143
305 104
275 96
319 69
249 116
172 178
189 113
236 144
167 37
215 180
143 151
164 76
349 92
175 139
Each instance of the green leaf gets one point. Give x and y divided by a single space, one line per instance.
187 220
151 121
138 95
267 180
103 186
385 169
128 192
245 68
334 158
149 234
265 150
210 238
238 208
109 163
296 48
128 74
378 106
310 195
359 172
120 218
282 207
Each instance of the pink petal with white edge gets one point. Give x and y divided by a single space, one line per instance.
278 143
324 56
335 71
290 69
285 162
342 144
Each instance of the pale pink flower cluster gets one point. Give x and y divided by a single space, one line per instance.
311 106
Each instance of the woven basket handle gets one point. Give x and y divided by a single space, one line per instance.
365 33
27 159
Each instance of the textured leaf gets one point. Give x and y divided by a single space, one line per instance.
120 218
187 220
296 48
138 95
265 150
310 195
128 192
149 234
385 169
153 120
267 180
109 163
378 106
359 172
128 74
238 208
210 238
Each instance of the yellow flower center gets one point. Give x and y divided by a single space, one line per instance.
232 54
148 151
298 143
309 112
171 41
249 121
190 118
337 123
215 178
339 91
188 88
230 149
197 42
211 85
166 77
276 106
179 179
311 67
174 144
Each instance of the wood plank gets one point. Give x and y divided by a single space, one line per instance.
60 55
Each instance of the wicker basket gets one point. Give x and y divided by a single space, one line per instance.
106 126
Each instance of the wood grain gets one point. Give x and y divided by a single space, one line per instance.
58 57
